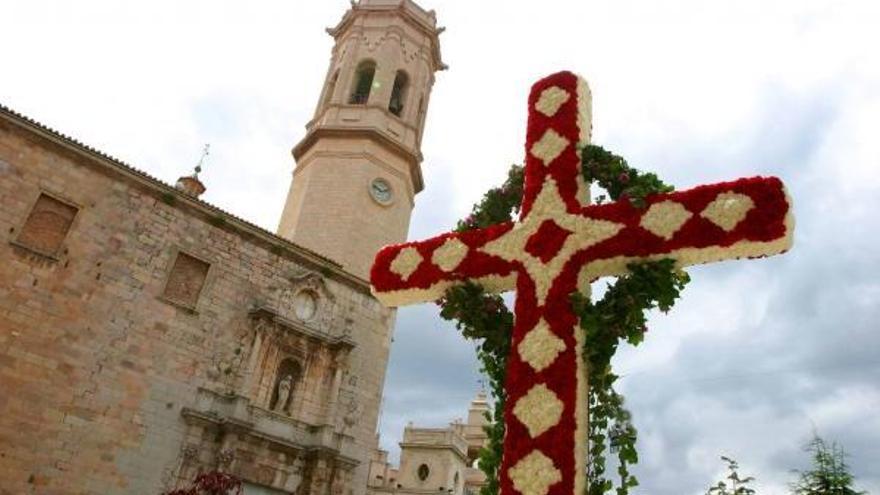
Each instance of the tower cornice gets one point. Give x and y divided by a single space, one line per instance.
412 158
408 11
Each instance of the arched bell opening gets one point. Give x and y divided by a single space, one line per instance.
398 93
363 83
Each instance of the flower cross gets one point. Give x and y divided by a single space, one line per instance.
559 244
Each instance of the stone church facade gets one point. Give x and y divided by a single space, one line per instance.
147 336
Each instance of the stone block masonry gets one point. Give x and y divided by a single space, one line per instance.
122 375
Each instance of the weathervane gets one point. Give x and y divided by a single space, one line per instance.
205 152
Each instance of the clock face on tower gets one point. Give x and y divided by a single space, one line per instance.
381 191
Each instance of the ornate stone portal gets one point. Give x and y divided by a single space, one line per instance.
289 401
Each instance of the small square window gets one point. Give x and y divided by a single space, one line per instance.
186 280
47 225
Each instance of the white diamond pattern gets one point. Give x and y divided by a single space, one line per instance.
551 99
540 346
450 254
406 262
534 474
550 146
664 219
728 209
539 410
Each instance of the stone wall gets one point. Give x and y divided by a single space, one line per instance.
140 331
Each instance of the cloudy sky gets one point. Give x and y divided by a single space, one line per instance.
755 357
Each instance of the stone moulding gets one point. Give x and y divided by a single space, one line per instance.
270 315
413 158
235 414
34 253
313 281
419 18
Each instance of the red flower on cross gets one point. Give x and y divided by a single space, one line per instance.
559 244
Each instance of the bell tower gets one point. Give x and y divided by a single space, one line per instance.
358 168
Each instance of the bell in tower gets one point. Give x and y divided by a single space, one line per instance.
358 168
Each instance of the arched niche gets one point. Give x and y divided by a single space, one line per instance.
287 378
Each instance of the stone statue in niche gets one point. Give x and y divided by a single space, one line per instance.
284 386
287 377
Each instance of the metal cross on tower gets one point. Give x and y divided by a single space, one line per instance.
558 245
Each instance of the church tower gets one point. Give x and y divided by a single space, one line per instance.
358 168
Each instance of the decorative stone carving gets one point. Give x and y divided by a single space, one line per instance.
227 358
305 305
306 300
307 459
225 457
409 48
352 380
312 281
352 412
190 452
299 330
283 392
265 475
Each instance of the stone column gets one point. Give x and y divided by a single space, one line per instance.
333 403
253 359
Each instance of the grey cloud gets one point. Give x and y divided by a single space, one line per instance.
816 340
